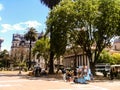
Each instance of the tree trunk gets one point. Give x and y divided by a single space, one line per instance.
58 64
75 61
75 73
51 65
51 62
29 61
92 64
92 67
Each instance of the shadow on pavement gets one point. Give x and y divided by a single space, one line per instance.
46 77
55 77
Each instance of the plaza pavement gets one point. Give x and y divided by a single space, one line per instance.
14 81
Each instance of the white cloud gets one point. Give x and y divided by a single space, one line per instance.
5 48
6 27
32 23
1 7
20 26
0 18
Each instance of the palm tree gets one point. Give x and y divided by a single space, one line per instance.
30 36
50 4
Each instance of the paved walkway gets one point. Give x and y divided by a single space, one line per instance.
11 81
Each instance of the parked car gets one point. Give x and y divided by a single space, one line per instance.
103 68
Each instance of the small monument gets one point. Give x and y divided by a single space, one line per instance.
1 40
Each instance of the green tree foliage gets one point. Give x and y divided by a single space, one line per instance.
99 22
95 22
60 18
4 59
116 58
42 48
50 4
107 57
30 36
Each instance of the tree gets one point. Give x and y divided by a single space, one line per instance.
95 25
98 23
60 30
62 18
30 36
105 57
116 58
5 59
50 4
108 17
109 57
19 55
42 48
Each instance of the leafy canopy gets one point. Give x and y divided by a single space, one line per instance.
91 23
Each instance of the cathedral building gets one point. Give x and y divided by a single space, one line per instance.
20 47
116 44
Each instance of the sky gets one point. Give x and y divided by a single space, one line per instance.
17 15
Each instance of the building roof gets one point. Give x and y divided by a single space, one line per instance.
1 40
117 40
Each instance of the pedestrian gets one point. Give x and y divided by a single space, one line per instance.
64 74
112 73
39 70
75 72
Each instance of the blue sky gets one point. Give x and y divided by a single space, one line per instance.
17 15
